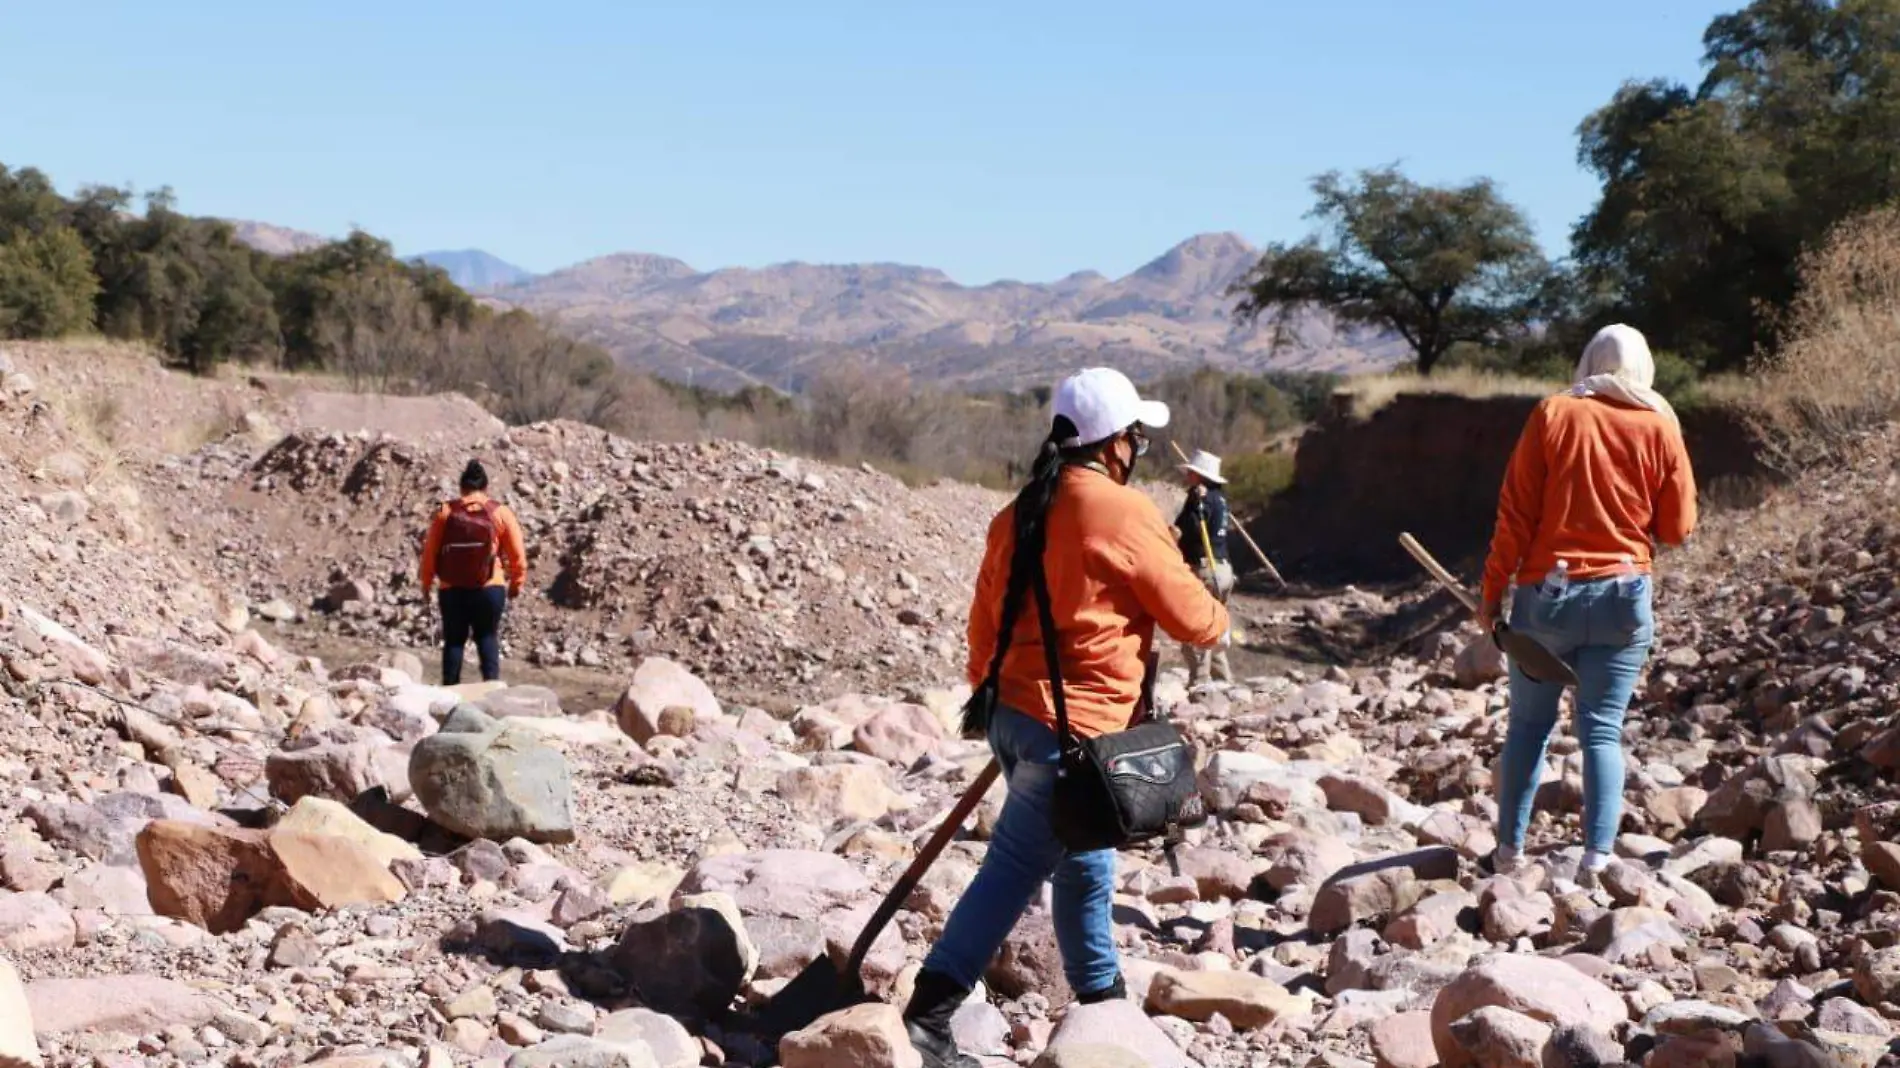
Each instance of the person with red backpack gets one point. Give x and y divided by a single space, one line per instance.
474 550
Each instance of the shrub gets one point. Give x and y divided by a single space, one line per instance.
1836 376
46 284
1254 478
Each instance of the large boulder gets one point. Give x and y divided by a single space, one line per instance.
217 878
1545 990
315 815
692 961
487 780
660 684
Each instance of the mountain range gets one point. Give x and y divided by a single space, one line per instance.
776 326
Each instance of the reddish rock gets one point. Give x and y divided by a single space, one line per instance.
865 1036
1404 1041
901 734
214 877
1546 990
117 1004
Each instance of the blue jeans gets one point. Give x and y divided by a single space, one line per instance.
1023 854
1603 629
466 614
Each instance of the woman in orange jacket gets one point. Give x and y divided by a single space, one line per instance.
1599 477
1115 575
474 550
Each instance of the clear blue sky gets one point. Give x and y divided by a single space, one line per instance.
1019 140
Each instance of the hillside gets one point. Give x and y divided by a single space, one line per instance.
773 326
475 270
276 240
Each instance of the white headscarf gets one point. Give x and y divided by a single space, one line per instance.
1617 364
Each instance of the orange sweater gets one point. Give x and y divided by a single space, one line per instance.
511 562
1591 482
1114 573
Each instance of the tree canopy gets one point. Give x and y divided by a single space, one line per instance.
1438 265
1711 195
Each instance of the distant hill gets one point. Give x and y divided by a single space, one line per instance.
276 240
773 326
475 270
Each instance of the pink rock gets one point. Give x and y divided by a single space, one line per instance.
900 734
1120 1024
1404 1041
116 1004
32 922
660 684
794 883
1542 989
865 1036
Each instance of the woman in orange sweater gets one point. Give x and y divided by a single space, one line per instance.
1114 575
1599 478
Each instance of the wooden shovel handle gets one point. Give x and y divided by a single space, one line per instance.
925 858
1444 577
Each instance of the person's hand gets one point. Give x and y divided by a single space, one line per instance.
1488 616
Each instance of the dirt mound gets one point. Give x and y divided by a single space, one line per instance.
758 569
448 419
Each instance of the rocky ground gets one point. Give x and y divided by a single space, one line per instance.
219 851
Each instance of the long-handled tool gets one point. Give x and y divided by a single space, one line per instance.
1531 658
825 988
1238 529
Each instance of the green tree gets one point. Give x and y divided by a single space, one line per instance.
1710 195
46 284
1437 265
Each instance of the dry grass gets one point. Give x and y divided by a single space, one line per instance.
1370 393
1837 377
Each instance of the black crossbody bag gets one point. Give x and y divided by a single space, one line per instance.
1121 789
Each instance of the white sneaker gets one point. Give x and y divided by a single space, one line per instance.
1590 868
1507 861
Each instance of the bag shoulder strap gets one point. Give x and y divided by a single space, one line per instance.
1046 617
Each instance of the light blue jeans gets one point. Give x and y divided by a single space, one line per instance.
1603 628
1023 854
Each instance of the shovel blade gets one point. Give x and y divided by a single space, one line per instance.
1533 659
817 991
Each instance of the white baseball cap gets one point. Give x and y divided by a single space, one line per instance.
1102 402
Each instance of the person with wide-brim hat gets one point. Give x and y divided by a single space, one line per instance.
1201 528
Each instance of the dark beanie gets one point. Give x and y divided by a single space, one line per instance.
474 476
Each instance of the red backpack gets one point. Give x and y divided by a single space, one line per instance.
470 542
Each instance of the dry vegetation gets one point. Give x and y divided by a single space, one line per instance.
1372 392
1838 376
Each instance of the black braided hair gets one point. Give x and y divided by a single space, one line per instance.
474 477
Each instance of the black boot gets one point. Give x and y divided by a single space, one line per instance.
1115 991
936 998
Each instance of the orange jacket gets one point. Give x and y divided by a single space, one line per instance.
1591 482
1114 572
511 562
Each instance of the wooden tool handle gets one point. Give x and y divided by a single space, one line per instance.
1444 577
925 858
